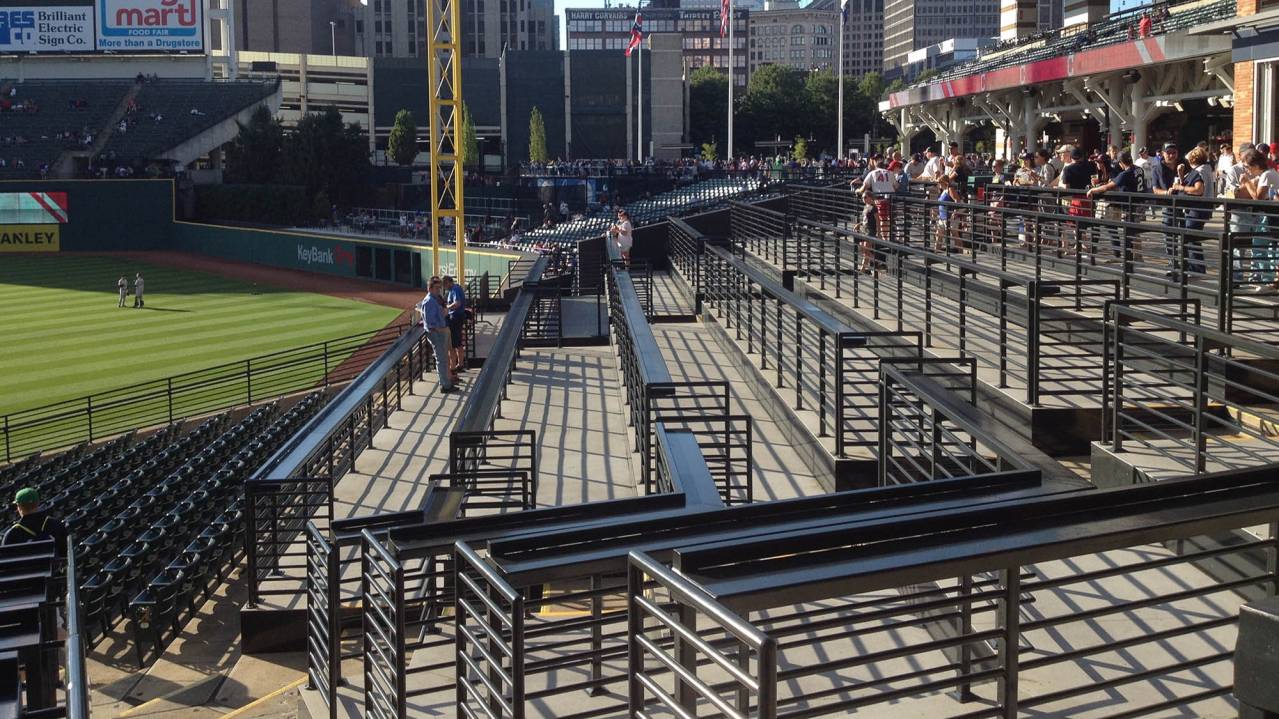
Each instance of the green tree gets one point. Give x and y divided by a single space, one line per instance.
871 86
469 150
710 151
325 156
800 149
821 111
707 105
537 137
774 103
255 155
401 145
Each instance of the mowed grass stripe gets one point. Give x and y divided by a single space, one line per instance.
161 360
68 338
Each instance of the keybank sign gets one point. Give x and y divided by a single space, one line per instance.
315 256
141 25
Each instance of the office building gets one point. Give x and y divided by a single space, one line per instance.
915 24
397 28
785 34
863 34
610 29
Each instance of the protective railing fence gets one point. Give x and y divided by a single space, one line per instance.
1154 246
927 427
296 484
76 680
819 364
1030 597
764 233
1190 397
703 408
191 394
1033 336
684 248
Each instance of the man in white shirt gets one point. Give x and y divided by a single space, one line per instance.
1142 162
137 292
1227 159
935 167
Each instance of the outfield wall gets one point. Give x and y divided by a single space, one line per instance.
138 215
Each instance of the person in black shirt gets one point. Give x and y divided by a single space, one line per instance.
1129 179
1077 177
35 524
1166 182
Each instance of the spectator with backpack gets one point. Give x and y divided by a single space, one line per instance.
35 524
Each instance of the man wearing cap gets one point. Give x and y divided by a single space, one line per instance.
935 167
1167 183
35 524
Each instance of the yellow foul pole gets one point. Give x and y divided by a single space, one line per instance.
444 68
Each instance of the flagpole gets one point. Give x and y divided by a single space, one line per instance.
839 70
732 81
639 141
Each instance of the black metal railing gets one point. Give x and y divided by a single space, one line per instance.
993 593
928 428
296 484
76 680
1190 397
1041 337
385 653
191 394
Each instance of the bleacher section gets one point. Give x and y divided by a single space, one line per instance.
68 111
164 117
159 521
1114 29
30 594
682 200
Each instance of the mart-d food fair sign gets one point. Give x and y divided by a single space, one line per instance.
32 221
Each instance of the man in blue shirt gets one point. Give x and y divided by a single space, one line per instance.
455 304
1165 181
437 332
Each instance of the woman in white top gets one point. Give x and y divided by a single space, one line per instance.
621 232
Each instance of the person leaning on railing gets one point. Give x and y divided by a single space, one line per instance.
1260 182
1130 179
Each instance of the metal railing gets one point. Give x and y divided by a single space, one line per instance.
703 408
967 612
385 654
815 358
1036 335
191 394
324 616
1196 398
296 484
490 639
77 680
927 424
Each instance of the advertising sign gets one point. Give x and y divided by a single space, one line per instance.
30 238
31 208
150 25
34 27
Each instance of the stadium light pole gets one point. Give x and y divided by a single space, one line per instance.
839 72
333 38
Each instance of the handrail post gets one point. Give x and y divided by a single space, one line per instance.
1201 440
1032 342
248 381
8 456
88 400
1009 618
169 394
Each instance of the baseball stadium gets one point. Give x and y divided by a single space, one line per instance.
312 409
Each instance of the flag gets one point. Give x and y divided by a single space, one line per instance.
843 11
724 12
637 34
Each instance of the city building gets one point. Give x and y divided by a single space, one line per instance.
396 28
314 27
785 34
863 34
916 24
943 54
610 29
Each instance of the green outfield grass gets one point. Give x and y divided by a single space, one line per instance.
62 336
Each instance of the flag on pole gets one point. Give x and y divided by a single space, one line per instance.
843 11
637 34
723 17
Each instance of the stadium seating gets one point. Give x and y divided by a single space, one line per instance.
681 200
205 531
68 111
164 507
1113 29
172 102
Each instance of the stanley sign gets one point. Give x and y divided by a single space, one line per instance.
29 238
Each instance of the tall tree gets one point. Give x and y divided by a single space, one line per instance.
537 137
255 156
325 156
872 86
821 111
800 149
774 103
401 145
707 105
469 150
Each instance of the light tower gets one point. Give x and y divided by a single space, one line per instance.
444 72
